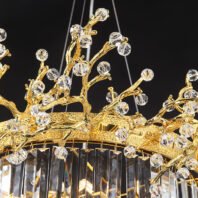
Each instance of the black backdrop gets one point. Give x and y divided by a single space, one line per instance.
163 35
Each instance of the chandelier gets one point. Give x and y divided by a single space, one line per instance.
106 154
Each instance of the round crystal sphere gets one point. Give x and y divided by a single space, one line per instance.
155 190
38 87
166 139
61 152
141 99
147 74
192 75
156 160
52 74
17 157
124 49
182 173
2 50
110 96
85 41
187 130
191 94
103 68
81 69
102 14
43 119
191 164
122 108
140 121
130 152
181 142
115 38
64 82
76 30
42 55
3 35
47 99
121 134
168 105
34 110
191 107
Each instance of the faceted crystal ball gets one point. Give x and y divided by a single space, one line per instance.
130 152
192 75
34 110
47 99
64 82
156 160
61 153
140 121
42 55
3 35
17 157
52 74
122 108
85 41
191 94
2 50
141 99
166 139
168 105
115 38
122 134
181 142
102 14
103 68
147 74
110 96
81 69
43 119
191 107
187 130
38 87
182 173
76 30
124 49
191 164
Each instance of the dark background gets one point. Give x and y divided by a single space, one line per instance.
163 35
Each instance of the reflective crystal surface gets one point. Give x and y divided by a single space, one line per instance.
181 142
76 30
124 49
64 82
147 74
183 173
156 160
3 35
192 75
102 14
122 108
115 38
130 152
18 157
187 130
121 134
166 139
103 68
141 99
191 107
110 96
85 41
168 105
42 55
190 94
47 99
191 164
60 152
34 110
80 69
2 50
43 119
38 87
52 74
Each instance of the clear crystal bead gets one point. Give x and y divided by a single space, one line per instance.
38 87
17 157
156 160
130 152
102 14
191 107
60 152
140 121
115 38
47 99
80 69
122 134
141 99
64 82
192 75
85 41
155 190
168 105
182 173
181 142
166 139
13 125
52 74
2 50
76 30
43 119
34 110
103 68
190 94
122 108
110 96
42 55
147 74
124 49
191 164
187 130
3 35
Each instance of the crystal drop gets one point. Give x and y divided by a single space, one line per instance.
102 14
191 164
191 107
121 134
81 69
61 152
168 105
190 94
140 121
76 30
187 130
13 125
85 41
43 119
166 139
156 160
42 55
47 99
52 74
38 87
115 38
64 82
103 68
182 173
129 152
3 35
122 108
155 190
2 50
34 110
141 99
192 75
17 157
181 142
110 96
147 74
124 49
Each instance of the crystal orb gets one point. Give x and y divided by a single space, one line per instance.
38 87
61 152
115 38
187 130
122 108
130 152
182 173
166 139
52 74
103 68
140 121
43 119
64 82
124 49
2 50
47 99
85 41
147 74
3 35
102 14
42 55
141 99
156 160
191 164
191 94
81 69
34 110
17 157
76 30
121 134
110 96
168 105
181 142
190 107
192 75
